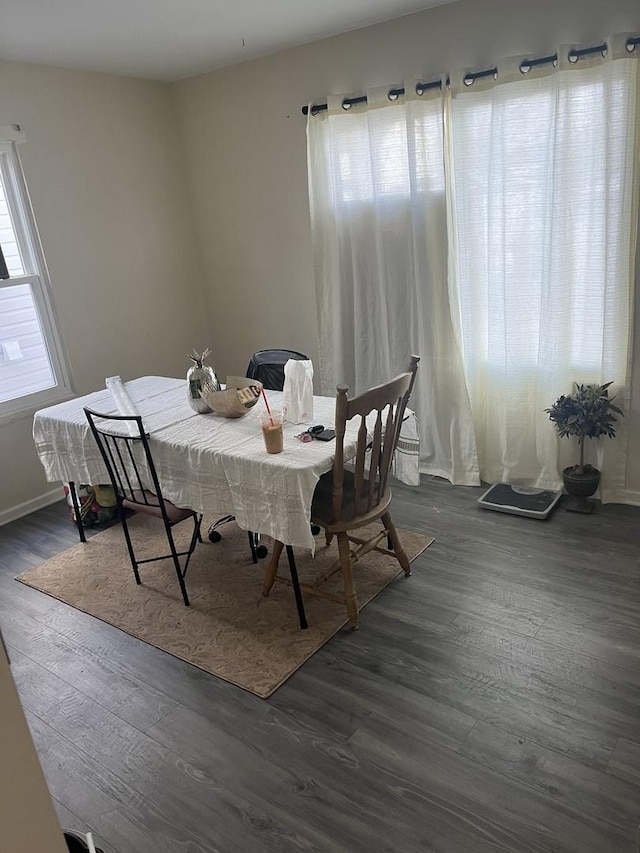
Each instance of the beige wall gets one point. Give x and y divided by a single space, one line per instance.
246 156
28 820
106 181
105 168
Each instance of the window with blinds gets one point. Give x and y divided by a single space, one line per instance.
32 370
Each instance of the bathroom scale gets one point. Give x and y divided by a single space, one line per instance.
520 500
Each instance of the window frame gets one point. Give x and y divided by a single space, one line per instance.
36 277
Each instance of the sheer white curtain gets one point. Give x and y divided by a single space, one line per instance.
543 203
379 226
492 231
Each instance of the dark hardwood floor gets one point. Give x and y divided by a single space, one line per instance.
491 702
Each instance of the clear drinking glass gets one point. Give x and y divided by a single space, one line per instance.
271 423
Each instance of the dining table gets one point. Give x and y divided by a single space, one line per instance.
207 462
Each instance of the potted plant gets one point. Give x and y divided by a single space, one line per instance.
588 412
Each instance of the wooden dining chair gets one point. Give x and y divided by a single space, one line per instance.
124 447
356 493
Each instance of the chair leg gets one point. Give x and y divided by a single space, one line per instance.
183 586
176 563
302 617
213 534
347 574
195 538
272 568
397 544
125 529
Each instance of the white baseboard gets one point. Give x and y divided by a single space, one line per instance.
28 507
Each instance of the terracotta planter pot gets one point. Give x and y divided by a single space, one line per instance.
579 487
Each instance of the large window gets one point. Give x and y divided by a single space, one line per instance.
490 228
544 196
32 370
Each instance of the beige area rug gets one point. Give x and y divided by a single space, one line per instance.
230 630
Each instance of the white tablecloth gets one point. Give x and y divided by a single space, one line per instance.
212 464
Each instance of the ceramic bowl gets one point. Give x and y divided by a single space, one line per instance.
238 397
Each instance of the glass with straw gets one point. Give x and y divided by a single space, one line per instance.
271 423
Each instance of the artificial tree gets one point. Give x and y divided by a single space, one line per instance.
588 412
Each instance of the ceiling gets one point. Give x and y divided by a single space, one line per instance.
169 40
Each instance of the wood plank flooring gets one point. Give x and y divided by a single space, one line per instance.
491 702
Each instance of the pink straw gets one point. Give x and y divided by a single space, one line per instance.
266 402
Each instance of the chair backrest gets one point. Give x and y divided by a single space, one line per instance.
386 405
267 366
124 447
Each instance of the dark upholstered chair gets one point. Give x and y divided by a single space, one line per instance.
267 366
124 447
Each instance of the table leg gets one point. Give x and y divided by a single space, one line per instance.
252 545
296 587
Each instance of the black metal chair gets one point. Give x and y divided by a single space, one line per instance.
267 366
124 447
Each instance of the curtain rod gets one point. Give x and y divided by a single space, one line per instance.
525 66
347 103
